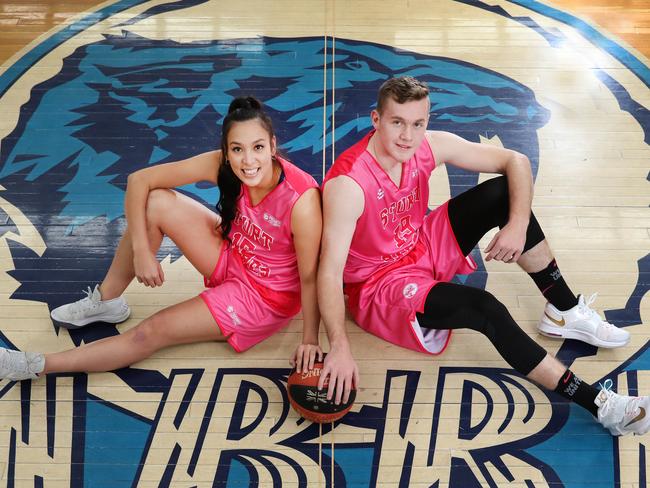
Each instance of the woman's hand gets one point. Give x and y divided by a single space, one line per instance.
148 270
305 356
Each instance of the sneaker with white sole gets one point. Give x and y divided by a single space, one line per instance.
91 309
582 323
622 414
19 365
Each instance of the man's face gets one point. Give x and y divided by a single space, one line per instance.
400 128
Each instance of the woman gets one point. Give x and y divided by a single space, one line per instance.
258 256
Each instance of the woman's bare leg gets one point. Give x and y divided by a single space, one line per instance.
183 323
188 223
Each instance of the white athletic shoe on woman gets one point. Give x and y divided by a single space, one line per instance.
622 414
582 323
91 309
19 365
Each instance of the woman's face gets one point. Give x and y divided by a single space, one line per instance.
250 152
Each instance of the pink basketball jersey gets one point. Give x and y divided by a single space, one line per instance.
398 252
262 241
390 225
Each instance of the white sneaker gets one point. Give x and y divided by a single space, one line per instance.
19 365
622 414
91 309
582 323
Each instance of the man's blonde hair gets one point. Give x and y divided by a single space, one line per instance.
401 89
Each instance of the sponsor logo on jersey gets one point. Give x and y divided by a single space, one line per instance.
272 220
233 315
410 290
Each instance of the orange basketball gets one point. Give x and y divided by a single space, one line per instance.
311 403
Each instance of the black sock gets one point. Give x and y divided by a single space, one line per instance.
554 288
576 390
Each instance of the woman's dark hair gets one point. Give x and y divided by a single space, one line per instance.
240 110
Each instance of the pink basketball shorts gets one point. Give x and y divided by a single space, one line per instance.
239 310
385 304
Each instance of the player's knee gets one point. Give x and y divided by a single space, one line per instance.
488 306
150 335
496 192
160 202
493 315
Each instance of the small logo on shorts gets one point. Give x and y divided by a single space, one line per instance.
414 173
272 220
233 315
380 194
410 290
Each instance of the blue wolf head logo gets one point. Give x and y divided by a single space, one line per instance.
127 102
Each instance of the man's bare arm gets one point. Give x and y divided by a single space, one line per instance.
450 149
342 206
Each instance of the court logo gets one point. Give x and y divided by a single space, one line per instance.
67 117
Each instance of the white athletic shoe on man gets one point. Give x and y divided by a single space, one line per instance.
19 365
91 309
622 414
582 323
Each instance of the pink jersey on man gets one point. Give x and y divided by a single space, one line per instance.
255 287
398 252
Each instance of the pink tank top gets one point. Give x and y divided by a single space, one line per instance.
261 236
389 226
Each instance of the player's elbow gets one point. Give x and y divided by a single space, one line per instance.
329 280
517 162
308 279
135 179
520 160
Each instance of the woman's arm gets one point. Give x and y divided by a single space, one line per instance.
306 226
203 167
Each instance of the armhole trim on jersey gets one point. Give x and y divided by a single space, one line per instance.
433 156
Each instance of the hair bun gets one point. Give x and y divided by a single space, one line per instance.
246 103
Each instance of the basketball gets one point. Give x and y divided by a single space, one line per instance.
312 404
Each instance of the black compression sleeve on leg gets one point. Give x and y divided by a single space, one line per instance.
452 306
481 208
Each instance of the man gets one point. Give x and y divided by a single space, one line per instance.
396 262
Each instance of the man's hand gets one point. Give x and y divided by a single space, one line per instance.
304 357
507 245
343 374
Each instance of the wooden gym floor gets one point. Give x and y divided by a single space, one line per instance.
91 91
